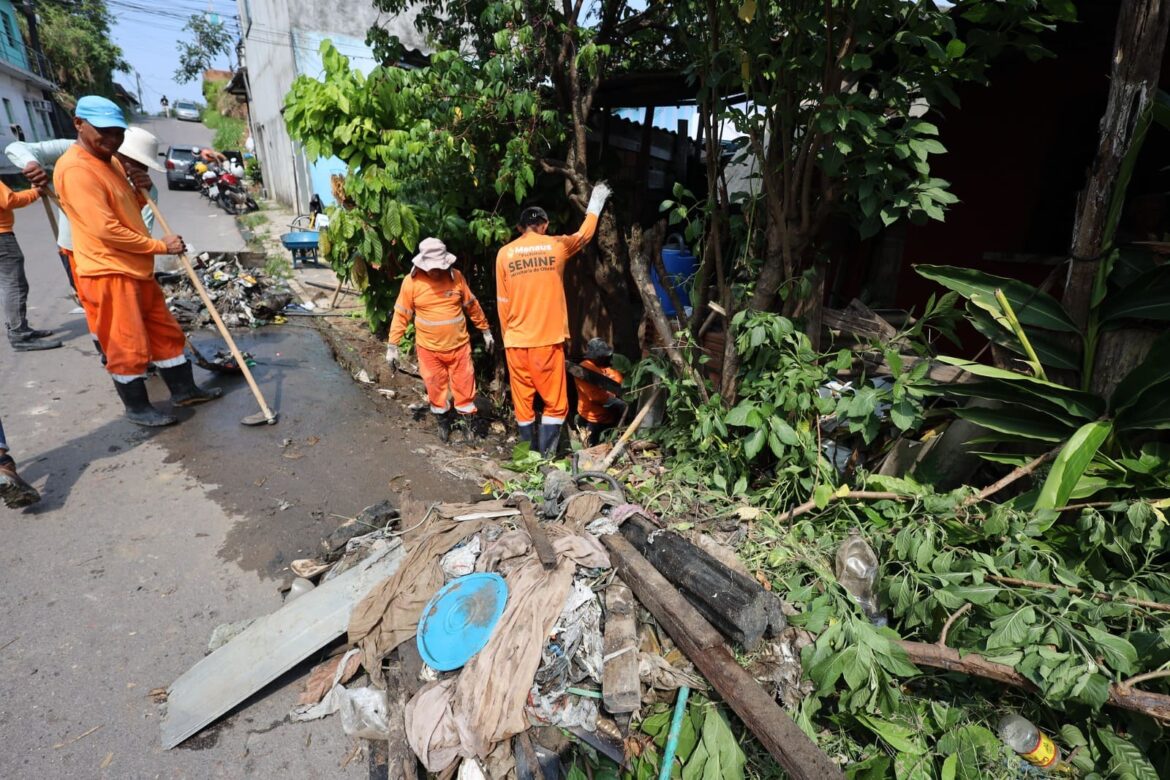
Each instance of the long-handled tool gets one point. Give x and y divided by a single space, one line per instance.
265 415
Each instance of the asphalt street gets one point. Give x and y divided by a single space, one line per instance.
146 540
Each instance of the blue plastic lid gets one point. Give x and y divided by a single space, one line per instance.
459 619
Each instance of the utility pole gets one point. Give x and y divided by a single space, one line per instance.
138 81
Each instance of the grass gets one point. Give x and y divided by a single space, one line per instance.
278 266
229 132
253 220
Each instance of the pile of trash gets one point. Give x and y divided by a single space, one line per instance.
489 631
243 294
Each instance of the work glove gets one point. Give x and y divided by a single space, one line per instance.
489 342
392 354
598 197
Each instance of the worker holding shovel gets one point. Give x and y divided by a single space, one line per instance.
114 257
534 318
437 298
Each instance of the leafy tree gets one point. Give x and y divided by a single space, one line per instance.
75 38
209 39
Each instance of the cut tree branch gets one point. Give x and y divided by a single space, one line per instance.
859 495
1099 595
1156 705
1015 474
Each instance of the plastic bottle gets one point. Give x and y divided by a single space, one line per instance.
1033 745
857 570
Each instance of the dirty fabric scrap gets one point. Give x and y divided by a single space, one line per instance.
389 614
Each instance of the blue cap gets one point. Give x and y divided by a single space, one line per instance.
100 112
459 619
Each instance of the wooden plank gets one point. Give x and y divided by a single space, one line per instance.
735 604
540 542
270 647
399 760
774 728
621 690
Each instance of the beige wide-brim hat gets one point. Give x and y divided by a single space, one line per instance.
433 255
141 146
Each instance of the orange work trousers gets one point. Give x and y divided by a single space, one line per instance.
448 373
533 370
132 323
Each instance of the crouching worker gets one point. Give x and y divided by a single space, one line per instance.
437 298
600 408
114 258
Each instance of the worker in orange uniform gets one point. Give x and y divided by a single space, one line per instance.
13 282
437 298
599 408
114 256
534 318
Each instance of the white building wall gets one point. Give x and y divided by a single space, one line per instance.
281 39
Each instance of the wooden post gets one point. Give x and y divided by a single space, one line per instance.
1133 83
783 739
620 687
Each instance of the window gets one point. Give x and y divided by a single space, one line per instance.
32 120
8 111
8 33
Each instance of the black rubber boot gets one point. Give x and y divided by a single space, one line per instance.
15 492
550 436
138 408
181 382
443 420
479 426
524 432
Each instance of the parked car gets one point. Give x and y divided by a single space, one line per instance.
179 161
187 111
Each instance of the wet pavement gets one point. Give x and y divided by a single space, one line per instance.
146 540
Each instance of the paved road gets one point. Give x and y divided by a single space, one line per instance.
145 541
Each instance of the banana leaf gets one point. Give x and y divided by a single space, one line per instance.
1070 464
1078 402
1017 422
1033 307
1013 394
1146 298
1052 349
1152 375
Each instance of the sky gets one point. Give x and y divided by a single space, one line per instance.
148 32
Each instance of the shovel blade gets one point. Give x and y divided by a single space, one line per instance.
260 418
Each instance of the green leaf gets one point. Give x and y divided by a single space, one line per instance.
822 495
1146 298
1017 422
1117 651
901 738
1075 456
1052 349
1127 759
1010 630
1069 410
718 755
754 443
1153 373
950 766
1032 306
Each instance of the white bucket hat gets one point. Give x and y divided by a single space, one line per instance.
141 146
433 255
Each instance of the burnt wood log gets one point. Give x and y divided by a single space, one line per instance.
701 643
736 605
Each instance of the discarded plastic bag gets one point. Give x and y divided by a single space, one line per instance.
364 711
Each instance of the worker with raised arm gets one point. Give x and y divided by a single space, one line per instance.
437 298
114 256
534 317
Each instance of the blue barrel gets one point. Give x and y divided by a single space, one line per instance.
681 267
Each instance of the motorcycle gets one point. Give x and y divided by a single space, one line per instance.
231 195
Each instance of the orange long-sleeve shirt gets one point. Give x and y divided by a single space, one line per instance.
437 306
530 286
10 201
109 234
591 399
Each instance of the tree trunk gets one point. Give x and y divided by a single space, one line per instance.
1137 59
